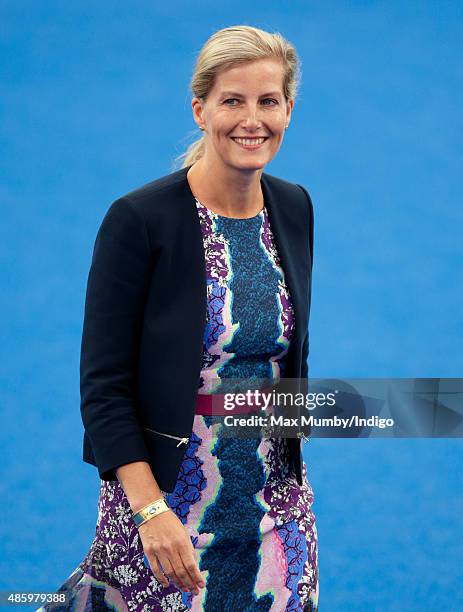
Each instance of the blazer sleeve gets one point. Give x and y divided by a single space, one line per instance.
305 344
116 294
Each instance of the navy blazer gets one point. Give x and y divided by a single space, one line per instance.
145 315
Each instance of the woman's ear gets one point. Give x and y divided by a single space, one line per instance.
289 110
197 106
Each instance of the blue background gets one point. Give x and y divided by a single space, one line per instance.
94 101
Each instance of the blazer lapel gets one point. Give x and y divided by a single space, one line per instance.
282 225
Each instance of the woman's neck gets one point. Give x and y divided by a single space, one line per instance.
228 192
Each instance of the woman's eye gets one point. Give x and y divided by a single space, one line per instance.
236 100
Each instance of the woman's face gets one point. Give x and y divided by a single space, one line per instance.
247 101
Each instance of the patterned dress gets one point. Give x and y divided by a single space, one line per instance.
250 522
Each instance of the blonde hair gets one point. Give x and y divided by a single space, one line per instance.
229 47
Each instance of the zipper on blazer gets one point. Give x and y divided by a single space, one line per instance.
182 440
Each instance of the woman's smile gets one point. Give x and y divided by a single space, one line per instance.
250 143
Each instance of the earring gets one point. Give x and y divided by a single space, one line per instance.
201 127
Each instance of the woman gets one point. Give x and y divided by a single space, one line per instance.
201 276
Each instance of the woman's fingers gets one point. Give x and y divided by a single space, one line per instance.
156 569
183 573
170 570
191 567
182 570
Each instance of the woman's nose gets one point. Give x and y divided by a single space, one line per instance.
251 118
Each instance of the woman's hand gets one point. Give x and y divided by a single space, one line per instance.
166 541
